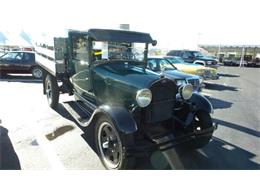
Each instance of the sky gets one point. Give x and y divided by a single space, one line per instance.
173 23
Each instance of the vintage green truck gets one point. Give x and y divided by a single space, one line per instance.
133 111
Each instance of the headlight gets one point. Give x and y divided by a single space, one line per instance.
143 97
186 91
209 62
213 72
180 82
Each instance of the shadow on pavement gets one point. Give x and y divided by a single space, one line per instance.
228 75
8 157
20 79
88 134
219 104
238 127
219 155
219 87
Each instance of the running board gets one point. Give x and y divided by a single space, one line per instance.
80 114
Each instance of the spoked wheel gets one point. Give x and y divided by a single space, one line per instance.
111 146
202 120
52 91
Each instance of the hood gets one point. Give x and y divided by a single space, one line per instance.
188 67
130 75
175 74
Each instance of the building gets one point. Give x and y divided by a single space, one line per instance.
233 51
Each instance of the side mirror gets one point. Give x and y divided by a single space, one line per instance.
154 43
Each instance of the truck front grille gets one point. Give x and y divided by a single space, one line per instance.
164 95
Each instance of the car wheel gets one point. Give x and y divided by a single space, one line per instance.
111 146
37 72
202 120
52 91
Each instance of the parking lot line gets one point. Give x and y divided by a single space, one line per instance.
49 152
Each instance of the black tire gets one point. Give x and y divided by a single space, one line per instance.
111 145
37 72
202 120
52 91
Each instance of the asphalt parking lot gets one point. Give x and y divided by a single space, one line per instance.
35 137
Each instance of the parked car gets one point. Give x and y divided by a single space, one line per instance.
234 62
254 62
161 65
205 72
20 62
195 57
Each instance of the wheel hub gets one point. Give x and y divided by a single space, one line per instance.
110 145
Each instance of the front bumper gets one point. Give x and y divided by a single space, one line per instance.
167 142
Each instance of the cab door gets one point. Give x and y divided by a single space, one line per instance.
81 80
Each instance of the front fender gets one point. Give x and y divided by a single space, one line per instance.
120 116
201 103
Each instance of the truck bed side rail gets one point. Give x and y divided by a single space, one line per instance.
51 58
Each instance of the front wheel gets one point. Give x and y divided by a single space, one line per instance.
111 146
52 91
202 120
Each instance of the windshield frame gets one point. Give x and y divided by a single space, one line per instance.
100 60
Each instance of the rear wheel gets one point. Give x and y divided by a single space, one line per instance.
202 120
37 72
112 146
52 91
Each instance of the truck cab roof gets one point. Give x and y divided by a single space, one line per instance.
116 35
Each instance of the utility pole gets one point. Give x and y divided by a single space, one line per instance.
242 57
219 48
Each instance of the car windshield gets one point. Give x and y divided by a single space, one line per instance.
197 54
156 64
12 56
118 51
176 60
165 64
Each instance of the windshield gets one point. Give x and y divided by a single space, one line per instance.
118 51
156 64
176 60
197 54
12 56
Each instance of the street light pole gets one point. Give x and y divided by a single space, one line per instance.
242 57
